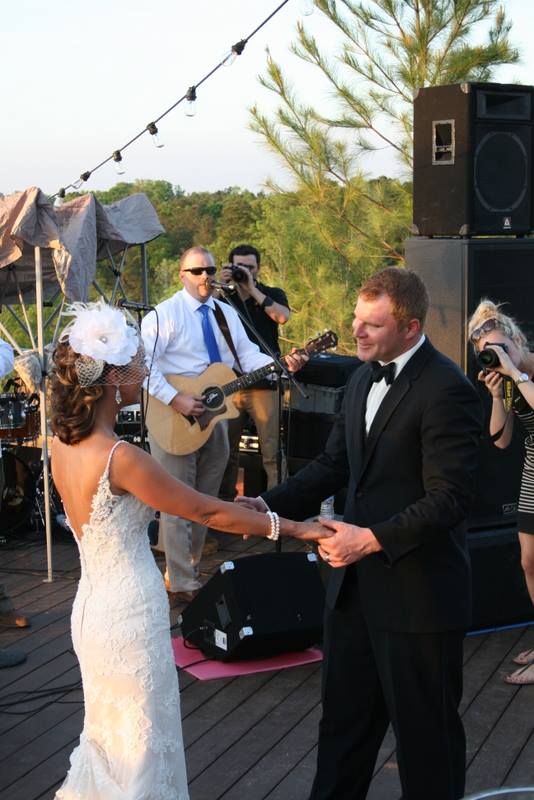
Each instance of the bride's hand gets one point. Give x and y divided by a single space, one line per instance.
310 531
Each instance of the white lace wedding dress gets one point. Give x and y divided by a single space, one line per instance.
131 745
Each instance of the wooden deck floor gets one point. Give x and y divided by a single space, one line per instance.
251 737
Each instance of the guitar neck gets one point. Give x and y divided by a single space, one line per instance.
244 381
318 345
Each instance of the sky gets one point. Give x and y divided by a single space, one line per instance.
79 79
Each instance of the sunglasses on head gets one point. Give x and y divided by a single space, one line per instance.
200 270
486 327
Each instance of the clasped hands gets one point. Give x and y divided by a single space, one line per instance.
340 543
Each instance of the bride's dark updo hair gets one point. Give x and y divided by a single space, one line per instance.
73 408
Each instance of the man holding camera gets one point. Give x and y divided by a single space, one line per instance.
265 307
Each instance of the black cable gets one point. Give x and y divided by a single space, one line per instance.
193 663
237 49
188 646
33 695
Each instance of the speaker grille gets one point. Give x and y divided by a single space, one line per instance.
501 171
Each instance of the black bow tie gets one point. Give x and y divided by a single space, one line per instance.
386 371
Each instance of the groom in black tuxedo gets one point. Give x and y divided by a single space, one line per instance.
398 599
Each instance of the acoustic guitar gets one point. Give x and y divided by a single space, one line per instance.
180 435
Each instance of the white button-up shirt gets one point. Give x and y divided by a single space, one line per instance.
379 390
180 347
6 358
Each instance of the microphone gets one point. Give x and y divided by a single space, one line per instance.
134 306
226 287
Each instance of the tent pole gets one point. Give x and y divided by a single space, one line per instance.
42 408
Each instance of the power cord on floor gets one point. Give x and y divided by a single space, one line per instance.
24 697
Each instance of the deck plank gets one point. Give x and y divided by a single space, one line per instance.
249 737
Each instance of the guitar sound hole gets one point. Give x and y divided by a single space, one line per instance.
213 397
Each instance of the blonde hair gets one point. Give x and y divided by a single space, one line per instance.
487 309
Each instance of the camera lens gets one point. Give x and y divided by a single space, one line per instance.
239 275
488 359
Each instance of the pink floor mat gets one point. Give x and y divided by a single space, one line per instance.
206 669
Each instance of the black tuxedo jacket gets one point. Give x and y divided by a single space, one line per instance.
410 480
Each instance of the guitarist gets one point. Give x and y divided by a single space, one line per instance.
184 338
266 307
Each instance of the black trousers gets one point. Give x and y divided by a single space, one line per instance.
374 677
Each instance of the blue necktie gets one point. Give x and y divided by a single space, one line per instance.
209 336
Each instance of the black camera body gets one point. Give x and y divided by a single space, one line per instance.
239 275
489 359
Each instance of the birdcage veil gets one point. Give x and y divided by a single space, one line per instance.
108 343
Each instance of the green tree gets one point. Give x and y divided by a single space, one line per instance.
238 223
388 49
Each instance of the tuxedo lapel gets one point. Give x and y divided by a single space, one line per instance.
355 412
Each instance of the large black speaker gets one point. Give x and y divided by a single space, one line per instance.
473 159
458 273
257 606
500 595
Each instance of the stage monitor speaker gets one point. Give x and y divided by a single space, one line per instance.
257 606
306 433
473 160
458 274
500 595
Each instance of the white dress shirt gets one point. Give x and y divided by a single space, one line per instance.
6 358
379 390
180 347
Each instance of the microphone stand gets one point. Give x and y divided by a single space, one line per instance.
139 310
229 294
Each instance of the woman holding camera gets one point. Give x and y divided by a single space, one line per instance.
492 332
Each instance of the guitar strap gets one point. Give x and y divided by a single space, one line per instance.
223 325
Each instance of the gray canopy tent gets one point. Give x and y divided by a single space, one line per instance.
48 257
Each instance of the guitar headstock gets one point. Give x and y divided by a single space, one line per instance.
325 341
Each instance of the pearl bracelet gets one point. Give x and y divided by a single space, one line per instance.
275 525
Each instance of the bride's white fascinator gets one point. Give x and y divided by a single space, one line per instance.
102 335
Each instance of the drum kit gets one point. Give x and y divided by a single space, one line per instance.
19 429
22 495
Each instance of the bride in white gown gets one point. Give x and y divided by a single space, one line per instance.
131 746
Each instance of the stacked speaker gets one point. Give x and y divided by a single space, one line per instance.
473 211
473 160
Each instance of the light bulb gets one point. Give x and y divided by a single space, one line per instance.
306 7
153 131
77 184
58 202
191 102
235 51
117 162
228 58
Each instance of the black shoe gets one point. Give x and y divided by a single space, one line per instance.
10 658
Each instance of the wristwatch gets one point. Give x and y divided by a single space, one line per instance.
521 378
267 301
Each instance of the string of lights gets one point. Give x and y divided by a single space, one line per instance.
152 128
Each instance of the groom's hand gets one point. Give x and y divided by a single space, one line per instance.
254 503
348 544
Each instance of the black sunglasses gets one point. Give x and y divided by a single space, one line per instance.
200 270
486 327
